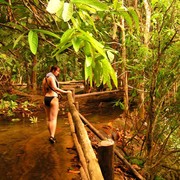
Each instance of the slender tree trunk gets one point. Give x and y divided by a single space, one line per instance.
125 79
34 74
146 42
135 4
151 117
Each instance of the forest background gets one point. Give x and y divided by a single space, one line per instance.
120 43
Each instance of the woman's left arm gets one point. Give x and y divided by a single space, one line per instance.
54 87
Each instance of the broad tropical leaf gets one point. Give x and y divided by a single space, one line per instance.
127 18
108 72
88 61
53 6
97 45
47 32
67 36
33 41
88 72
76 43
67 12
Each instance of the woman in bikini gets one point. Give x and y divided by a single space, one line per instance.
51 90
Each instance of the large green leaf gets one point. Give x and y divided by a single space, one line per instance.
88 72
66 36
76 43
67 12
88 61
108 72
86 8
47 32
53 6
98 73
60 11
33 41
97 45
127 18
87 19
87 49
99 6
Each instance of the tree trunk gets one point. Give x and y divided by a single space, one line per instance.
125 79
34 74
146 42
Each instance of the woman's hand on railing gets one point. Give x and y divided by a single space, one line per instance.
69 92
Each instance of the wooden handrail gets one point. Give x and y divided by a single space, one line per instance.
92 161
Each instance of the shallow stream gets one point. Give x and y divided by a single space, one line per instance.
26 154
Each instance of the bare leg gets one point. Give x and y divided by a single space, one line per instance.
53 113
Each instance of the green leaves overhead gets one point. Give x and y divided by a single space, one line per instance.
97 45
62 9
33 41
3 1
67 12
53 6
76 43
135 17
99 6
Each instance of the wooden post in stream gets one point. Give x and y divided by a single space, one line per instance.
105 154
134 171
92 162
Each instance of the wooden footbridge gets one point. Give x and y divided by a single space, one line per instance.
97 166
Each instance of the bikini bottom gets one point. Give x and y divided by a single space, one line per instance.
47 100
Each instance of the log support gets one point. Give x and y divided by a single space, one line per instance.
105 154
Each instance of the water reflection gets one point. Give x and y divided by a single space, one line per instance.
25 152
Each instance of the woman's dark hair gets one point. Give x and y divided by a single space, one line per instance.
54 68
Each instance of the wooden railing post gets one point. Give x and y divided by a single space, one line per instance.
105 154
92 161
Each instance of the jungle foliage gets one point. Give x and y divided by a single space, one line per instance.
85 39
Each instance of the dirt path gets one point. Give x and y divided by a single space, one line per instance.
25 152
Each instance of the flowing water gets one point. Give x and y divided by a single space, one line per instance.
26 154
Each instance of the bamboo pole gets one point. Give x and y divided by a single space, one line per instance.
92 162
78 148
